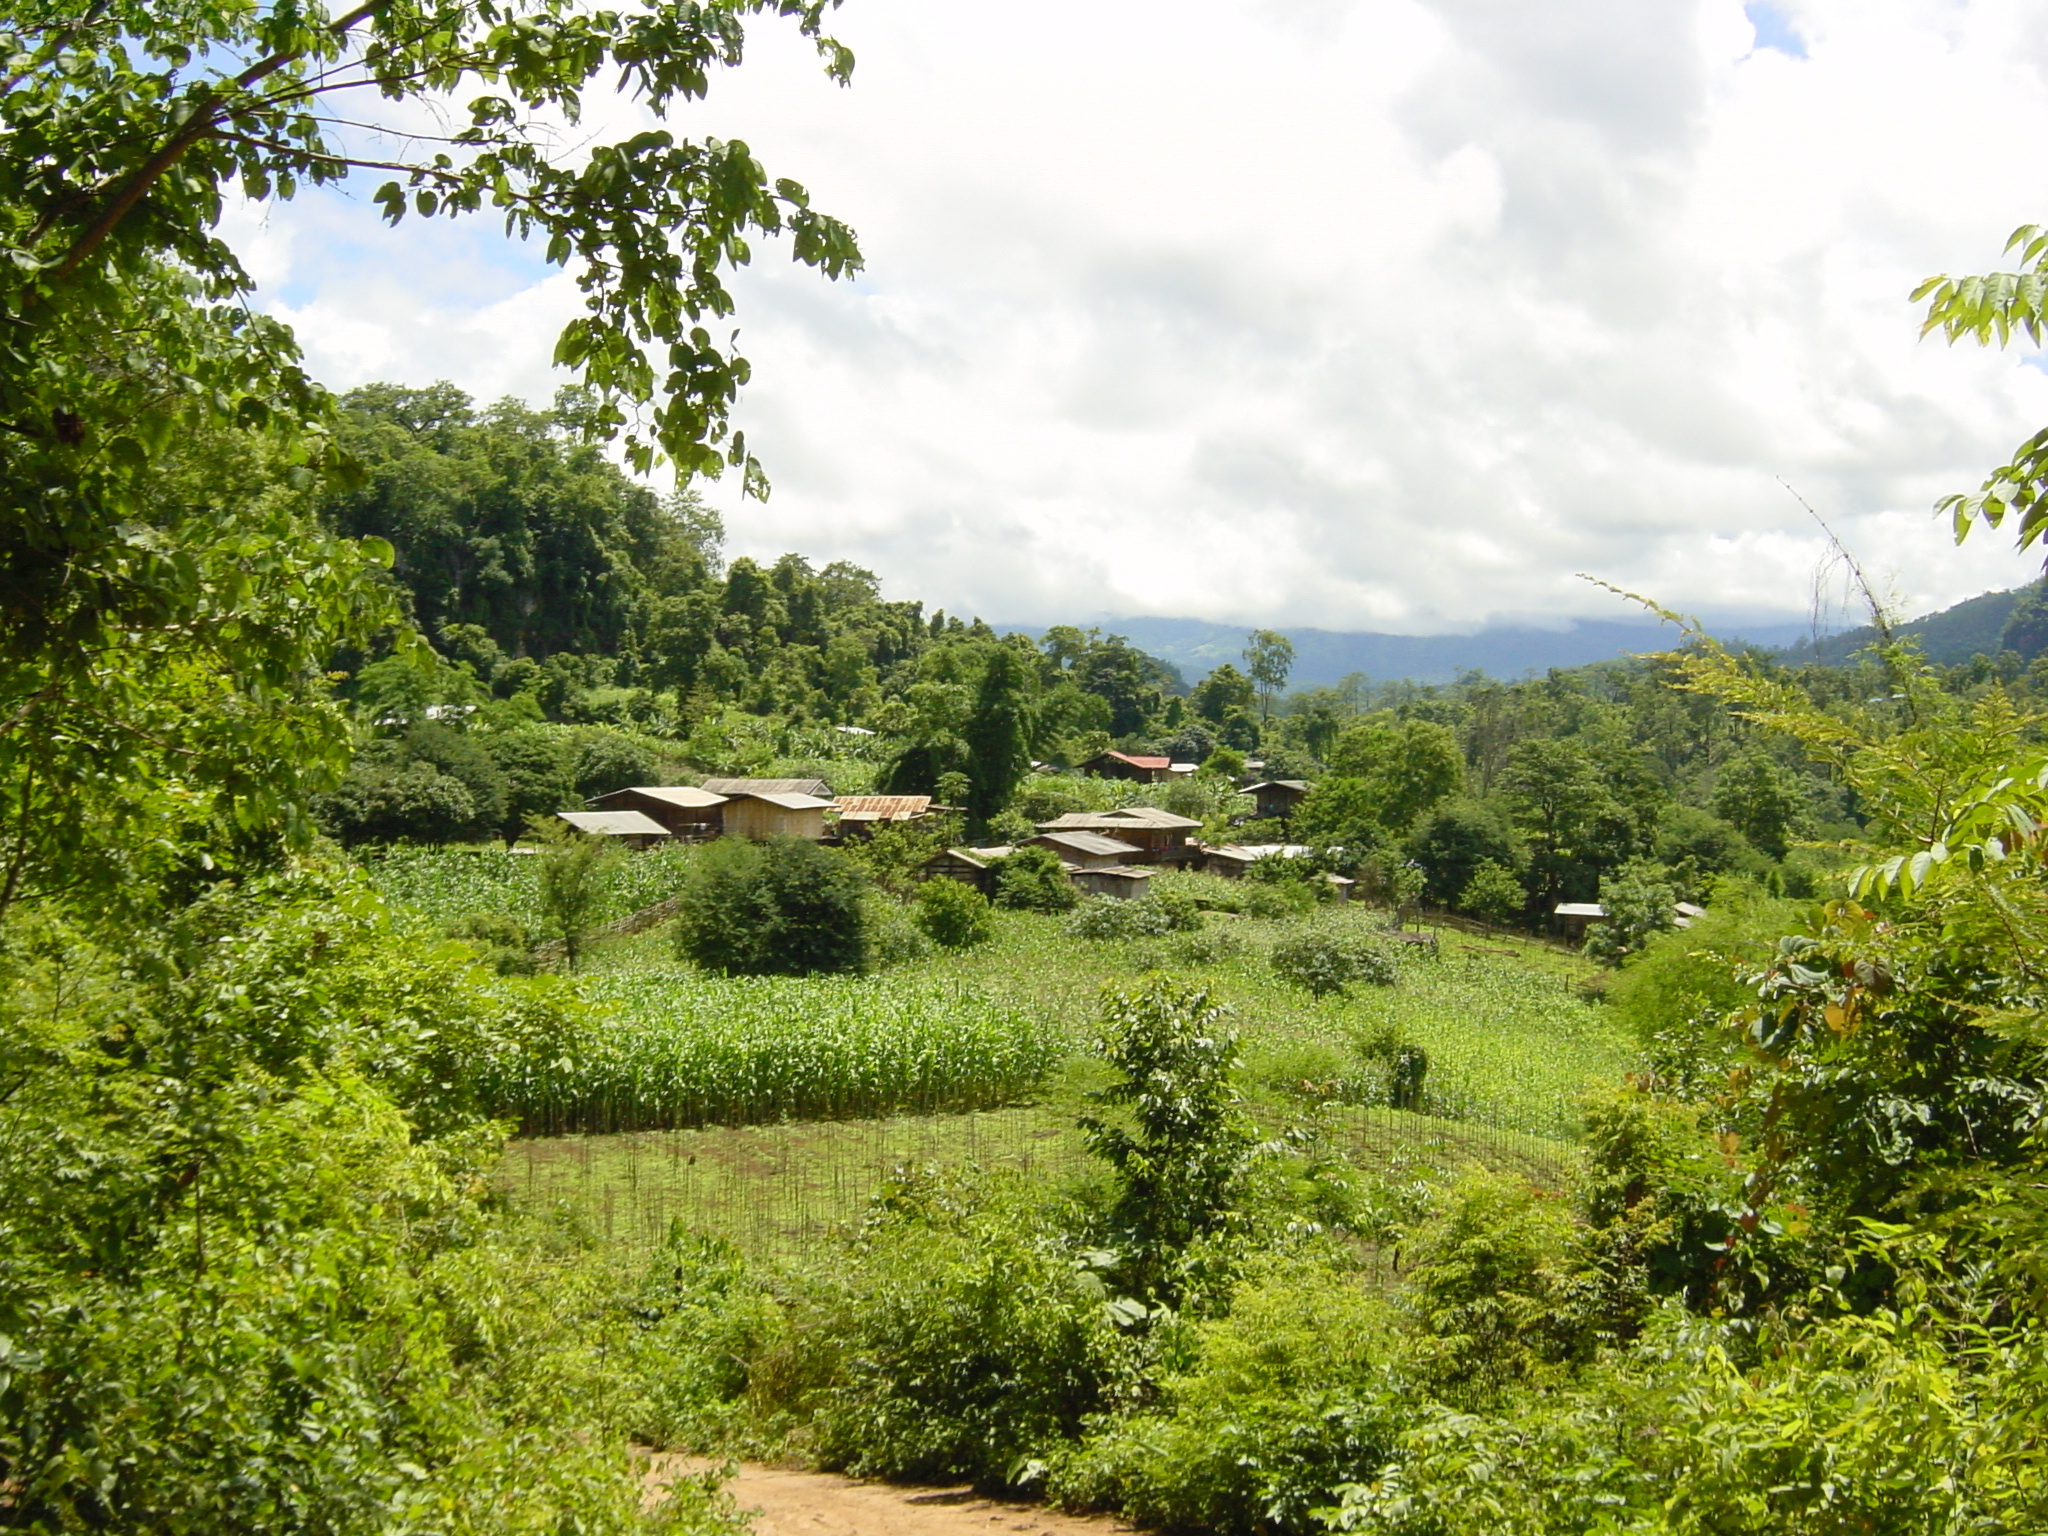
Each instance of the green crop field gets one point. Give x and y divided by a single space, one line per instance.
770 1108
675 1047
446 885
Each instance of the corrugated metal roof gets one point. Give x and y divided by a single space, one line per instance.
730 787
614 823
1135 761
1299 786
789 802
884 807
1087 842
1579 909
687 796
1151 816
1111 821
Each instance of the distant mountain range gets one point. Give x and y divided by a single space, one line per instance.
1323 657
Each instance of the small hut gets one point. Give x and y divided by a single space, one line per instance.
629 827
1125 765
1276 799
1569 920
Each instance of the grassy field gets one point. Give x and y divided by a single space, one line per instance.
771 1110
779 1191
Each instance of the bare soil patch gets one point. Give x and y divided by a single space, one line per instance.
786 1503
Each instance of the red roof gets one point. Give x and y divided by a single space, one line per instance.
1141 762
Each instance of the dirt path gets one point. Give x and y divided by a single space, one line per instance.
821 1504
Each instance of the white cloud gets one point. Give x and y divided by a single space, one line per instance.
1383 314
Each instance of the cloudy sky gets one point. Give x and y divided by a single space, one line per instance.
1363 314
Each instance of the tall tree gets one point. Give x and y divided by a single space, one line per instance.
999 732
1269 657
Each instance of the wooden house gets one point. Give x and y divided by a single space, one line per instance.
816 788
1160 837
1276 798
861 814
970 866
762 815
687 812
1124 765
629 827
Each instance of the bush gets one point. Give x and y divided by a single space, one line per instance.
893 937
960 1345
953 915
1326 964
1034 880
781 908
1281 1403
1141 917
1493 895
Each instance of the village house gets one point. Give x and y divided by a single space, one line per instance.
1276 799
685 811
629 827
762 814
1084 850
1160 837
970 866
1123 765
1118 880
861 814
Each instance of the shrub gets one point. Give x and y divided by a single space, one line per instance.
575 875
1325 964
1181 1164
781 908
1282 1403
1034 880
953 915
893 937
1493 894
1142 917
959 1345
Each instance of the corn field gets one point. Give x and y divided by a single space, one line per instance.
449 884
675 1047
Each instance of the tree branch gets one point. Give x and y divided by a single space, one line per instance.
204 119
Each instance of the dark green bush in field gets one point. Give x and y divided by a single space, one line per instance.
1141 917
954 915
1326 964
1034 880
780 908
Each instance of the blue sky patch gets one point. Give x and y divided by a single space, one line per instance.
1774 29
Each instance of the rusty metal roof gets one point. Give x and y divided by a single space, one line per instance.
884 807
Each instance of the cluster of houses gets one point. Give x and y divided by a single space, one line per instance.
1107 853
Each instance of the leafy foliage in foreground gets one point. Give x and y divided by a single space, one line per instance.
250 1280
